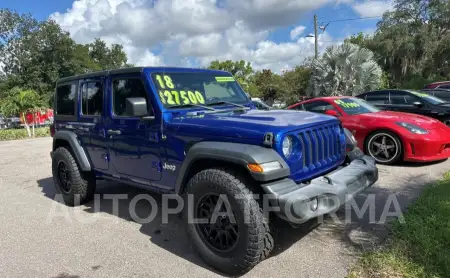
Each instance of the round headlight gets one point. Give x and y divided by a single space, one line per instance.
287 146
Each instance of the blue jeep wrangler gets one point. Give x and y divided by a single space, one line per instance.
196 133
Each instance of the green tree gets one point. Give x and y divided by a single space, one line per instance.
35 54
19 102
412 42
346 70
295 84
270 86
105 57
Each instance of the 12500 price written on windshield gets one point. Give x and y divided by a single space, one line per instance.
169 96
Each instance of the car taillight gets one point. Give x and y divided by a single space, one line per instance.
52 130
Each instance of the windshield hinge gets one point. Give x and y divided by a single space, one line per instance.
268 139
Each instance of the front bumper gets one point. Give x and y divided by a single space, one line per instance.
427 148
296 203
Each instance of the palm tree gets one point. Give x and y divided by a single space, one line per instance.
19 102
346 69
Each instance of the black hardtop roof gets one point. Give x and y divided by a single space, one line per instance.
101 73
124 71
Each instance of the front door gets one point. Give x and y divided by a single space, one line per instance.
404 102
134 144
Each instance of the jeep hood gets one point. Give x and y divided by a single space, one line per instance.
250 124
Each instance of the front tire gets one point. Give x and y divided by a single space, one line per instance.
75 186
385 147
233 243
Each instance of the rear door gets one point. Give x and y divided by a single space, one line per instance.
379 99
92 121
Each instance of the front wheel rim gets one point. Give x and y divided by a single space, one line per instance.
216 229
383 147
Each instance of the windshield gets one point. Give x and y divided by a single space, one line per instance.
429 98
355 106
202 88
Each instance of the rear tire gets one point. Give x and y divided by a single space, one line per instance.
75 186
241 242
385 147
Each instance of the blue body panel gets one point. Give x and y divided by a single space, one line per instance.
139 153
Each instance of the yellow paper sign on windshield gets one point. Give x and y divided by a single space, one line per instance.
347 104
420 94
224 79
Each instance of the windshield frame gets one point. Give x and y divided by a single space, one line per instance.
246 101
357 100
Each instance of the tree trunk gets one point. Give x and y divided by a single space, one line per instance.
34 122
26 124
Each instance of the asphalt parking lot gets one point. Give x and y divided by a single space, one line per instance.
36 243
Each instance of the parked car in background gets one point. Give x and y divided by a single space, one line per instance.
39 118
261 105
278 104
410 101
387 136
2 122
13 122
443 94
441 85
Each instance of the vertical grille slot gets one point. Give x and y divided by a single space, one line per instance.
308 149
302 142
316 146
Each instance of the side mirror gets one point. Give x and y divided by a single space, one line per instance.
332 113
137 107
418 104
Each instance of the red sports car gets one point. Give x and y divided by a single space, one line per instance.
385 135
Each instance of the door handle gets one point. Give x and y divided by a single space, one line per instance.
113 132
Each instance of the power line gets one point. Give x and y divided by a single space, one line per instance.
357 18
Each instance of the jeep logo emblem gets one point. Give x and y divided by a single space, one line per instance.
169 167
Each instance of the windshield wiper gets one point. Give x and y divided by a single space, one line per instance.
226 102
190 105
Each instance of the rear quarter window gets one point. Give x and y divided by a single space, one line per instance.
65 99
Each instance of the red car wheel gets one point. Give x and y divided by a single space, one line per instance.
385 147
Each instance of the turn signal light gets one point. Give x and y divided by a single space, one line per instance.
255 168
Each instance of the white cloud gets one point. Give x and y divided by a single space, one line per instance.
373 8
195 32
297 31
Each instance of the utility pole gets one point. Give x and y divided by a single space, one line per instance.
316 52
315 37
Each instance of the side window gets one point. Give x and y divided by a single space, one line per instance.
124 88
65 100
318 106
378 97
446 86
402 98
92 98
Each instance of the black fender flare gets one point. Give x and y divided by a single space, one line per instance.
236 153
77 150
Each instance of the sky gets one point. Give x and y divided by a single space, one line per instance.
271 34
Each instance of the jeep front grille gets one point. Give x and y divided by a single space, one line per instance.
320 146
